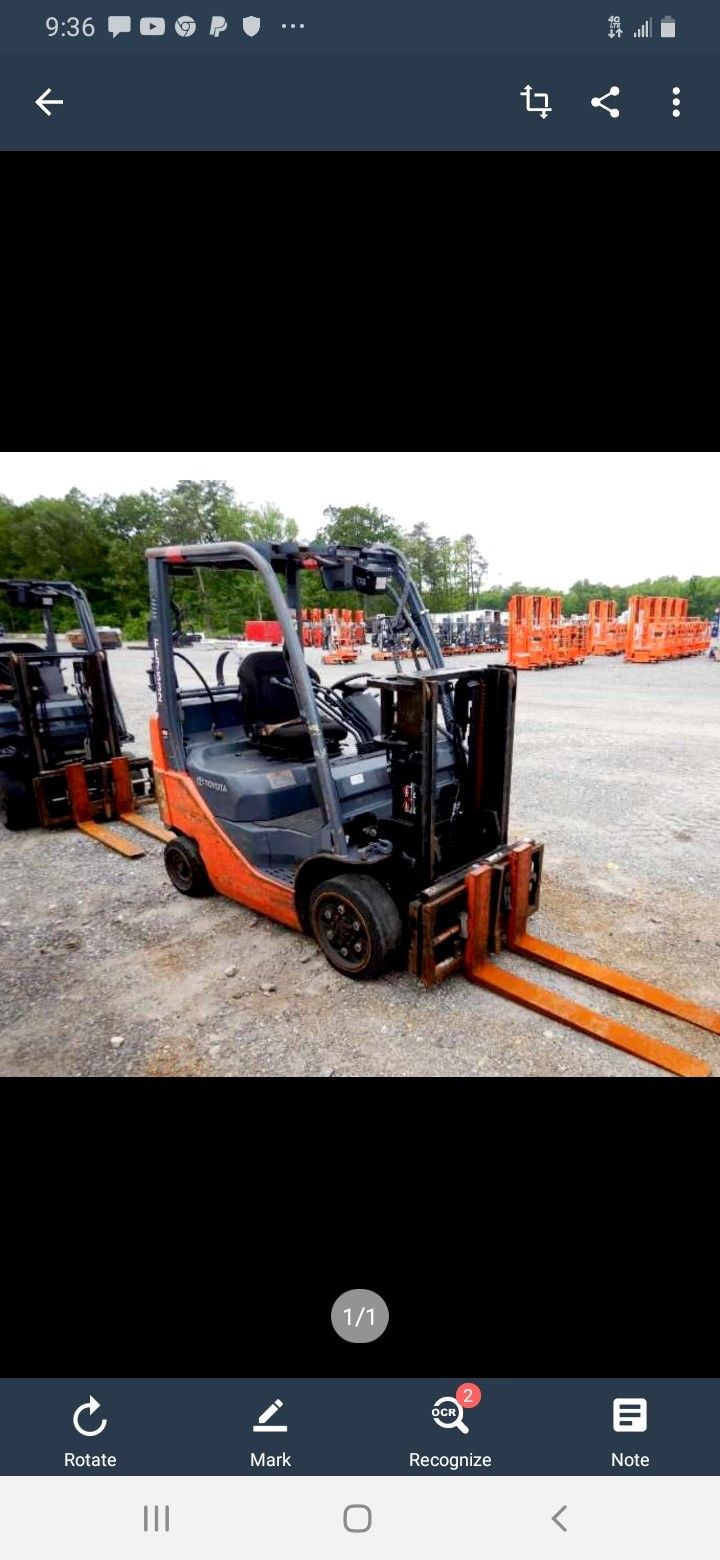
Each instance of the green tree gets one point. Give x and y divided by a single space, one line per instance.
703 595
420 549
198 511
577 597
471 568
444 575
496 597
358 526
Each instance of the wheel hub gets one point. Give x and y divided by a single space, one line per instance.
343 930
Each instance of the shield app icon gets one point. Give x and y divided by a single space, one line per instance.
251 25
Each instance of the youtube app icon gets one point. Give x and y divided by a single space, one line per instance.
152 26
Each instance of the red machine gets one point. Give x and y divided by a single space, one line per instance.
608 636
341 651
266 630
538 637
659 629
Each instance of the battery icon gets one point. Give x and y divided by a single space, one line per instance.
667 27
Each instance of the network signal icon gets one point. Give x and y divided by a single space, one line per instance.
645 31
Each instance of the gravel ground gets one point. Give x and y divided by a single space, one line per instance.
616 769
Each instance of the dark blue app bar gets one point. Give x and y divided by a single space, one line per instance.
475 1426
322 76
372 103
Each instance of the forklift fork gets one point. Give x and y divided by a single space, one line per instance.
518 904
116 800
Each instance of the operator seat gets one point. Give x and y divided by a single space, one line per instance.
271 713
45 678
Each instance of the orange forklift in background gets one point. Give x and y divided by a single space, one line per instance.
62 730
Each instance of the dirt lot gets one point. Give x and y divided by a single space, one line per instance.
616 769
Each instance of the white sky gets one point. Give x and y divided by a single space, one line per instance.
545 519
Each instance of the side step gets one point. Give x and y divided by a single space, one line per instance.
523 896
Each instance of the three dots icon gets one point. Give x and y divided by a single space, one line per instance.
676 102
293 25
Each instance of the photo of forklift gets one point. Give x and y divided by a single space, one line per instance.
62 729
351 812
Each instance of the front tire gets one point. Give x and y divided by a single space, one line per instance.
184 867
17 803
356 924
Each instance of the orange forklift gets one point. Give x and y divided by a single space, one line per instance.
372 814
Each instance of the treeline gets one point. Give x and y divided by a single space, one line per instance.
100 543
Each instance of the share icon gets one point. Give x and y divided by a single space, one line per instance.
599 102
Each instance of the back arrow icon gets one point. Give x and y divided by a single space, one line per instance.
91 1405
43 100
558 1514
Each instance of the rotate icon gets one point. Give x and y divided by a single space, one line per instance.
91 1405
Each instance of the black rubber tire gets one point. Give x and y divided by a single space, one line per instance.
337 905
184 867
17 803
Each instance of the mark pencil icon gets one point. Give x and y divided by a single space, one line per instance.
269 1413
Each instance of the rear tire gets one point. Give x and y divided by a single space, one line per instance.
356 924
17 803
184 867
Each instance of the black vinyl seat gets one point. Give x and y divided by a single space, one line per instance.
46 677
271 713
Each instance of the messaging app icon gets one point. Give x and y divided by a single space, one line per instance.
119 24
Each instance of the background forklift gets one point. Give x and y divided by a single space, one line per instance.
372 814
62 729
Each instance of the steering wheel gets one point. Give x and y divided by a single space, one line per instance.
355 677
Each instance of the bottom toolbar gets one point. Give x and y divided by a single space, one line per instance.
547 1518
366 1427
370 101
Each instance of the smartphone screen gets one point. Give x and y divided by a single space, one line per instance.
317 76
288 744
